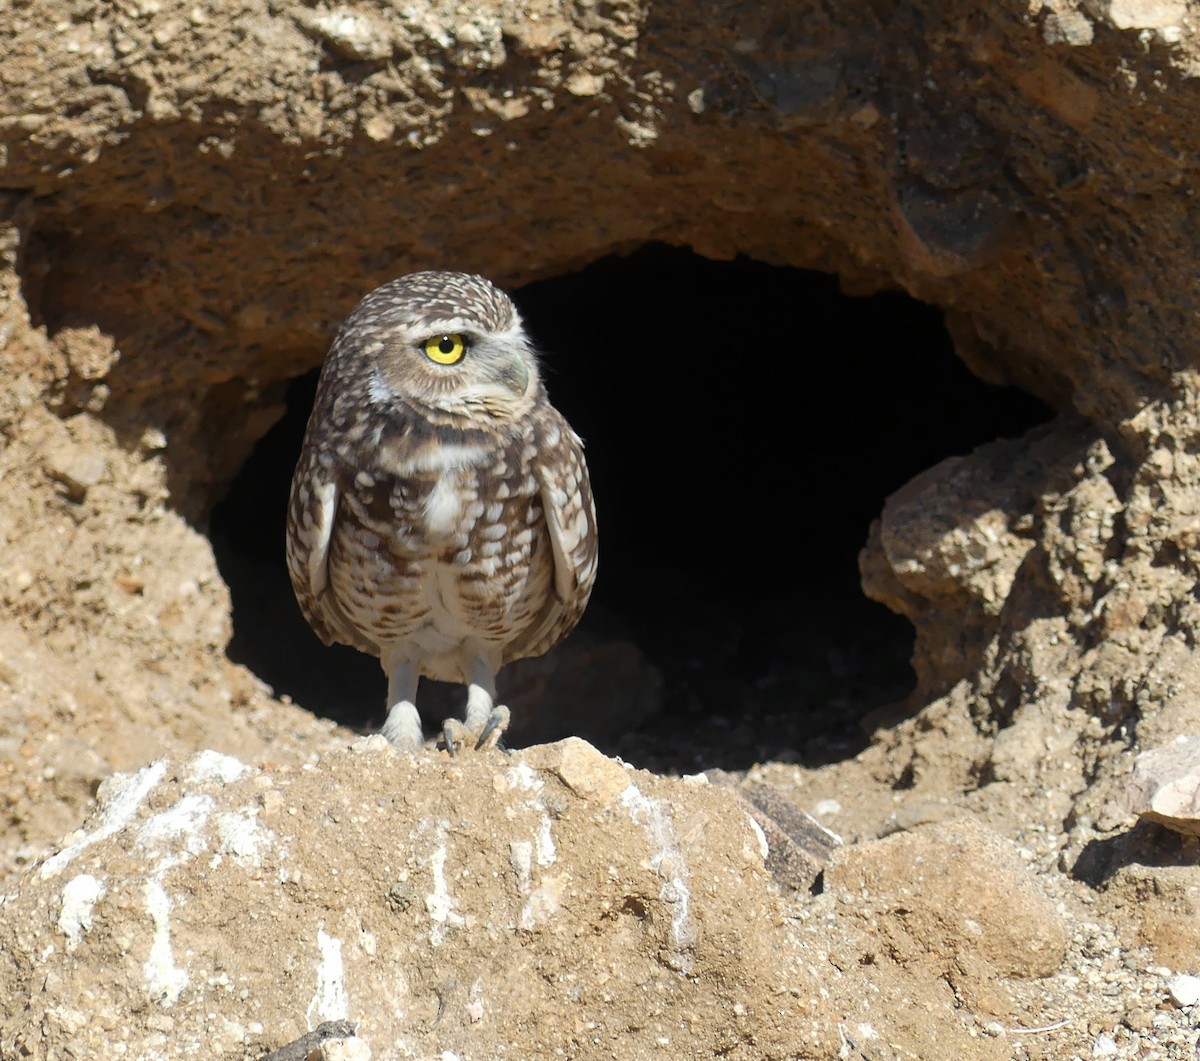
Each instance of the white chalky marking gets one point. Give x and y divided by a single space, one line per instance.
185 821
215 766
163 977
121 798
764 848
243 837
79 898
546 851
440 904
520 857
668 862
167 838
542 902
524 776
329 1000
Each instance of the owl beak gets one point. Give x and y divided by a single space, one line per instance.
514 375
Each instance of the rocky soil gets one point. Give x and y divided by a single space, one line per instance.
193 195
551 902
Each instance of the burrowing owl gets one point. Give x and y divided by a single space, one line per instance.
441 516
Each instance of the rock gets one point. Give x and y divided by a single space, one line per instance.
77 467
351 34
208 886
1140 14
1068 27
1165 785
90 353
950 540
582 769
1184 990
1161 906
910 888
352 1049
333 1040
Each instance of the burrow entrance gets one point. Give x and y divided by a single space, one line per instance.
744 424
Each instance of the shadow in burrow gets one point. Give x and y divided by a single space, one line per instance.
744 424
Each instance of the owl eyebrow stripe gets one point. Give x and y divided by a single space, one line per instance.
468 337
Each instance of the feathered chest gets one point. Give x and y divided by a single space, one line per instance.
439 538
405 530
431 493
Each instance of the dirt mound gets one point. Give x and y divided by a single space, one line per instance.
551 900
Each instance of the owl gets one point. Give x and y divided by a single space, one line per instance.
441 516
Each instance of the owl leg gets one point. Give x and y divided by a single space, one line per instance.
486 721
402 727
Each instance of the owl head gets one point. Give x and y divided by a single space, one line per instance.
452 341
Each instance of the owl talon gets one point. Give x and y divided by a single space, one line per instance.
454 736
497 723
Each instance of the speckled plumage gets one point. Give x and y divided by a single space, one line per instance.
441 516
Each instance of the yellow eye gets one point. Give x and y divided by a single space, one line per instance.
445 349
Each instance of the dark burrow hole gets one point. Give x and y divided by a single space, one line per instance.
744 424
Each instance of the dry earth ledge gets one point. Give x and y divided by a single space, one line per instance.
550 903
193 195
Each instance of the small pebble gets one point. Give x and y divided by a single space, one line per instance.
153 439
1184 990
1138 1019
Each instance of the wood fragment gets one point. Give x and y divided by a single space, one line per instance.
307 1043
799 846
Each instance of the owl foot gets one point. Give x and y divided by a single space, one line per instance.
456 735
493 730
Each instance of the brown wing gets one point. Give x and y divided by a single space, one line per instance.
570 514
312 516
